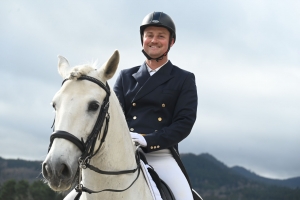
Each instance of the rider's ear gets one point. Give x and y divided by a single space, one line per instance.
63 67
110 67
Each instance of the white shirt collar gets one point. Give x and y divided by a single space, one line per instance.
153 71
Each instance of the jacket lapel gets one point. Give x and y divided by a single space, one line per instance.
142 75
151 82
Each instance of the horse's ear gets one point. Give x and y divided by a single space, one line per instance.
110 67
63 66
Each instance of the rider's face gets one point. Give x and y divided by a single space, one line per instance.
156 41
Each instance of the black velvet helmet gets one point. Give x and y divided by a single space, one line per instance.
162 20
158 19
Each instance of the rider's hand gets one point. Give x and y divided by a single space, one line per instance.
138 138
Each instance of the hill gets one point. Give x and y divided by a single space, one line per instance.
210 177
291 182
18 169
215 181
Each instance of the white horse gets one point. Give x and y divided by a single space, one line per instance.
77 106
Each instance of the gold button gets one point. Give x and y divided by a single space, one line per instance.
134 117
133 104
158 146
163 105
151 147
154 147
131 129
159 119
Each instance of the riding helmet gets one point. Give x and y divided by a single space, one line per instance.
158 19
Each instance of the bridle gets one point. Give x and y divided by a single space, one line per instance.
88 147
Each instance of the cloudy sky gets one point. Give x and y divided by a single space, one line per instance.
245 55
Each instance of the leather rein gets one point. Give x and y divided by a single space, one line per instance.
88 147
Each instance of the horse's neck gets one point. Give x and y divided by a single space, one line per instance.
117 154
118 147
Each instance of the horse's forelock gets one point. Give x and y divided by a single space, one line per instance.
80 70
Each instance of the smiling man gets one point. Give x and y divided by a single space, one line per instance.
159 101
156 44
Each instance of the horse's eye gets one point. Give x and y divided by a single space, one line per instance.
93 106
53 105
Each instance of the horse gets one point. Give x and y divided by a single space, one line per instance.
91 143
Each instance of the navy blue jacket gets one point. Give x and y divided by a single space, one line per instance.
162 107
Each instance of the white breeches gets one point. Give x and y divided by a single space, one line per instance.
168 170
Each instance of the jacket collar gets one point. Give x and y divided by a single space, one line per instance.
149 83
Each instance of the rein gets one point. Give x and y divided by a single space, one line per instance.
88 148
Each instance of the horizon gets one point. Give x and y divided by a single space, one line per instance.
182 154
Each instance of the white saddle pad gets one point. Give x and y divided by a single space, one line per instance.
153 188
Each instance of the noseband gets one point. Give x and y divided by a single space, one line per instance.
88 148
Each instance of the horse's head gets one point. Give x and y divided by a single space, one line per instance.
77 106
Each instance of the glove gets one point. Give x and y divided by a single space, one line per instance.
138 138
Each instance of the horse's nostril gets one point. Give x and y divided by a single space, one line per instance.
65 171
46 171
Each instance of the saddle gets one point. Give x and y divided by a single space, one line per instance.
165 191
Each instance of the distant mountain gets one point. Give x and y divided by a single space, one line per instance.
215 181
206 162
210 177
291 182
19 169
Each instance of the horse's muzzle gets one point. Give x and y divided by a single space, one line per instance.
58 175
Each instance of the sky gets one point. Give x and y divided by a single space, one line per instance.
245 56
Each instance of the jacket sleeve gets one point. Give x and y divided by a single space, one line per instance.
183 119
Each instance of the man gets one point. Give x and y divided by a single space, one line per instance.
159 101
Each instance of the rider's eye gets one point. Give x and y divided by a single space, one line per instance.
93 106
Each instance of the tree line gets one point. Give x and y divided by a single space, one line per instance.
23 190
38 190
